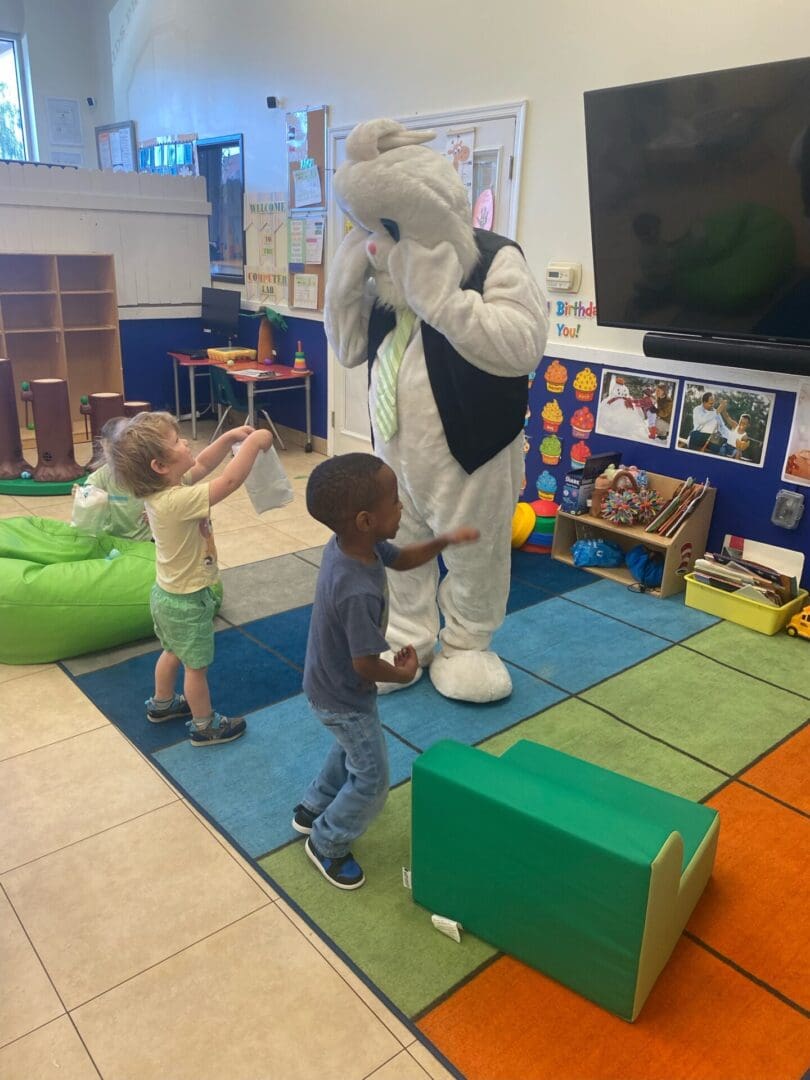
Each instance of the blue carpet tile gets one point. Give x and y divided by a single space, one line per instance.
250 787
244 677
571 646
546 573
285 633
669 618
422 716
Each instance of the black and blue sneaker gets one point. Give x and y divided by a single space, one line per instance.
222 729
176 709
344 873
303 819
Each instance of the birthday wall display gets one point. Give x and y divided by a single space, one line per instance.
561 312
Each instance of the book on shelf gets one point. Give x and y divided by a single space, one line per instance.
682 504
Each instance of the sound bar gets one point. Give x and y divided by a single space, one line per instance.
760 356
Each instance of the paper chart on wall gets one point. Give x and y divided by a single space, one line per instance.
295 234
313 240
305 291
307 186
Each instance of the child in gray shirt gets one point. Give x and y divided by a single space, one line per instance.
356 496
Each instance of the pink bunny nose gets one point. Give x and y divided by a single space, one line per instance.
371 248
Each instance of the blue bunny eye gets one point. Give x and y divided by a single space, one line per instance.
391 228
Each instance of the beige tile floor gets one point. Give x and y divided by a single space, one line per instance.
134 941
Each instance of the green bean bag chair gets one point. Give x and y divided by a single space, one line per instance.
62 595
738 258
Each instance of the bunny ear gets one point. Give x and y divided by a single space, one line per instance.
374 137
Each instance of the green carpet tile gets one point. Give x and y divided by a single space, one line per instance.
723 717
379 927
778 659
586 732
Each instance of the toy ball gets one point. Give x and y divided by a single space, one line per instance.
25 475
229 363
30 427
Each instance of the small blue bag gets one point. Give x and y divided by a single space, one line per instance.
646 566
596 553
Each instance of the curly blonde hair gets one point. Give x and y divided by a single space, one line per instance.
132 447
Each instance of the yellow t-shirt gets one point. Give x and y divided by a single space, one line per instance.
186 556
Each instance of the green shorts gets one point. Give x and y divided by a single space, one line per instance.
184 624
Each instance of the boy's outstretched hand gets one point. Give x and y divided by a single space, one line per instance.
464 535
407 661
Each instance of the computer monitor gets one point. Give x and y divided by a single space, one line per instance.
220 312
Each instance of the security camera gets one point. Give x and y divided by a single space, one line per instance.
91 101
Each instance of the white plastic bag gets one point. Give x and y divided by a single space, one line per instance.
91 510
266 483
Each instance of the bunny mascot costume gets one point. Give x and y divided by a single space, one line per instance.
451 322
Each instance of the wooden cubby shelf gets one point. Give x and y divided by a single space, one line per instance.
679 551
59 319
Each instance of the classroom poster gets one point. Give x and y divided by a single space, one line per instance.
797 459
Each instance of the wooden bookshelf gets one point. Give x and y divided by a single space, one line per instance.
59 319
679 551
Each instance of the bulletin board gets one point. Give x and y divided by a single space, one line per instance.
116 147
305 131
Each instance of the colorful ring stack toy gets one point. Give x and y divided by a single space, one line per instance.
533 526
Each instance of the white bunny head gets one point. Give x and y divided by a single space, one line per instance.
395 188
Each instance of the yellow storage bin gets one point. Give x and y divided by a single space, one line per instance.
236 352
739 609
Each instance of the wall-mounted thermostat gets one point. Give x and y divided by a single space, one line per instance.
563 276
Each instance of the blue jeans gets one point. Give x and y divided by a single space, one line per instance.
351 788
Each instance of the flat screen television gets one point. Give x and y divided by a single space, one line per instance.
220 311
700 204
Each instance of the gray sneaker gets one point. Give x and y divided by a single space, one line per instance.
177 709
220 730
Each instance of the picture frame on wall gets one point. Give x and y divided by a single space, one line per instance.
796 469
637 405
731 423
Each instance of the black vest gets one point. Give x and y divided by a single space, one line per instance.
480 413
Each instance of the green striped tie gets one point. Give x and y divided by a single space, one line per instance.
388 360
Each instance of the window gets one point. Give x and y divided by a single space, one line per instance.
221 163
13 141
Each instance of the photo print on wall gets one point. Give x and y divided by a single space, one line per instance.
636 405
730 422
797 459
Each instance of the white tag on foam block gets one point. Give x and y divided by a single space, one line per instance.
449 927
406 877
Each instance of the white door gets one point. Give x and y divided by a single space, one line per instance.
496 160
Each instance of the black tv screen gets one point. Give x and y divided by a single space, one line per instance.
700 203
220 310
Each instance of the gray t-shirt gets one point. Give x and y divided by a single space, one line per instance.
349 620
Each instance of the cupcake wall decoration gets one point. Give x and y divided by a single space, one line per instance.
585 385
552 416
556 377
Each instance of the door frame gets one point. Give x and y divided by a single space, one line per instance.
460 118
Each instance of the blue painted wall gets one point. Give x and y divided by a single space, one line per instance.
148 370
745 495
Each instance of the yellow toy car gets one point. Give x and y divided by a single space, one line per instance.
799 625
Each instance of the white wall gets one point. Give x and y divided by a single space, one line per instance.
66 43
207 67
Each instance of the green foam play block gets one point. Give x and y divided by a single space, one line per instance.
587 875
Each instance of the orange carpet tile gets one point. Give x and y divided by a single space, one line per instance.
702 1021
785 772
755 909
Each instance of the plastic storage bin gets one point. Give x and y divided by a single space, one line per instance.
739 609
